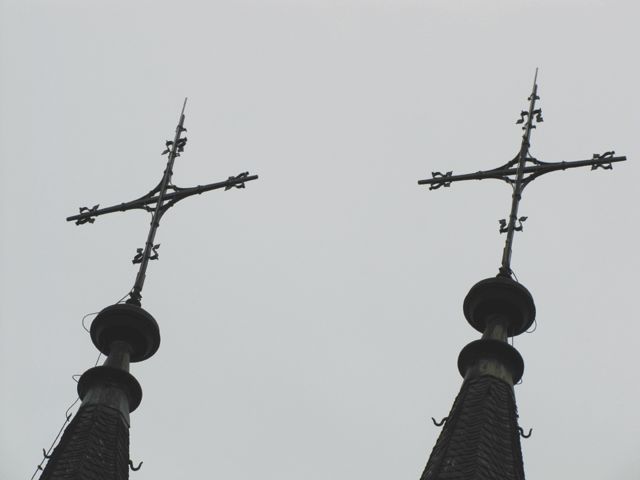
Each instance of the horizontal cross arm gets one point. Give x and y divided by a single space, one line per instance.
173 197
443 180
537 168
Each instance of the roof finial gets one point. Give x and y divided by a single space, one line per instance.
513 172
158 201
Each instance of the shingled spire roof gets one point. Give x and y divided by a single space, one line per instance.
480 439
95 445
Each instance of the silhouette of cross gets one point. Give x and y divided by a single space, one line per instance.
164 196
519 172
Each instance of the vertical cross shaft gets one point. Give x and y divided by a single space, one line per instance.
505 268
178 144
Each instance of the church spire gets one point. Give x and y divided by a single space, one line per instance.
480 439
95 444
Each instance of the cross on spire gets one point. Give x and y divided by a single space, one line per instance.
519 172
164 196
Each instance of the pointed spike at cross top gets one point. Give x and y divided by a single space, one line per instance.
158 201
519 172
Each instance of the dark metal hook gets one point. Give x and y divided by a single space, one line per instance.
523 114
538 114
135 469
522 432
442 422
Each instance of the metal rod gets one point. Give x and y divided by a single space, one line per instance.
505 172
177 196
135 295
505 268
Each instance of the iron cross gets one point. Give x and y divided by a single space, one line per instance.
519 172
164 196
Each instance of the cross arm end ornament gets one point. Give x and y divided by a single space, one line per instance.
438 179
604 160
86 215
237 181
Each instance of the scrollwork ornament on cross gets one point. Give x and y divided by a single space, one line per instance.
444 180
601 157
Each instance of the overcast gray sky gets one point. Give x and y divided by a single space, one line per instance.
311 322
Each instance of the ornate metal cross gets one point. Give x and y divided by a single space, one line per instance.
514 171
164 196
